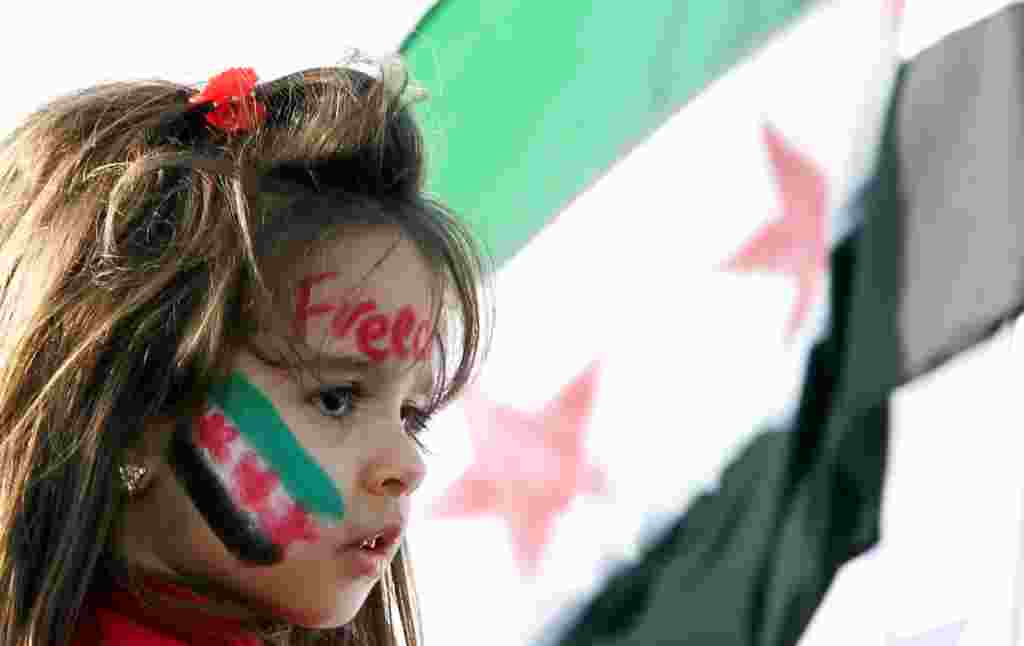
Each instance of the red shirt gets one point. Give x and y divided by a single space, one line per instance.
118 616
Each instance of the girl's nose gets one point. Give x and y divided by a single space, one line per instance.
398 474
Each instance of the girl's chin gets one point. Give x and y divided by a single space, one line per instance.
329 607
313 586
340 614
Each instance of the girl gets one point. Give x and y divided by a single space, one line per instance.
227 315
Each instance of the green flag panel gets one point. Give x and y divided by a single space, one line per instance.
532 101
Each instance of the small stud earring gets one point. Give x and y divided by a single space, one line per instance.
131 477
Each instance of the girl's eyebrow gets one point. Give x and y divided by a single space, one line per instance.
317 362
341 363
362 366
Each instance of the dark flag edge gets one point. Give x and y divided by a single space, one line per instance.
934 268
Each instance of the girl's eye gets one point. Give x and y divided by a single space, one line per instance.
335 401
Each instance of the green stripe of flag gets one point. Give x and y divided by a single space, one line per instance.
532 100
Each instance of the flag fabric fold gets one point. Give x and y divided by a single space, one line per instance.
933 268
750 561
601 286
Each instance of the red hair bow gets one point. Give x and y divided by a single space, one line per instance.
235 109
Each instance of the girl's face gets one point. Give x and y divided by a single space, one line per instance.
362 328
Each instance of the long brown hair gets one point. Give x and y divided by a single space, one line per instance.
134 240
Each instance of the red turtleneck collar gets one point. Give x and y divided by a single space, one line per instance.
118 616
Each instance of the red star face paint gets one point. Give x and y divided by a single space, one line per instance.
255 485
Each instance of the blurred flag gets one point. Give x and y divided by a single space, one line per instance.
932 268
948 635
644 332
532 101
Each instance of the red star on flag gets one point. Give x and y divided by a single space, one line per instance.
896 8
528 465
794 243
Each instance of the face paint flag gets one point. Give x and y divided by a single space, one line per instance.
255 485
697 267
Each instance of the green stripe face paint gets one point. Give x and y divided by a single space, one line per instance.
247 474
256 418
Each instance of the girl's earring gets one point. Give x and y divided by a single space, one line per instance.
131 477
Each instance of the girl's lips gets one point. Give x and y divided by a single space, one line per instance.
367 563
383 538
370 561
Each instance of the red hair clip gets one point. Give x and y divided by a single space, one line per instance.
235 108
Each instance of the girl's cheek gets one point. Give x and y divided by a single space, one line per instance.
260 492
251 417
254 486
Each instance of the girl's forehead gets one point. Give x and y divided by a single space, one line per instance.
366 298
378 264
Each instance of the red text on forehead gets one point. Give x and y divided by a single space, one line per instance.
377 335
